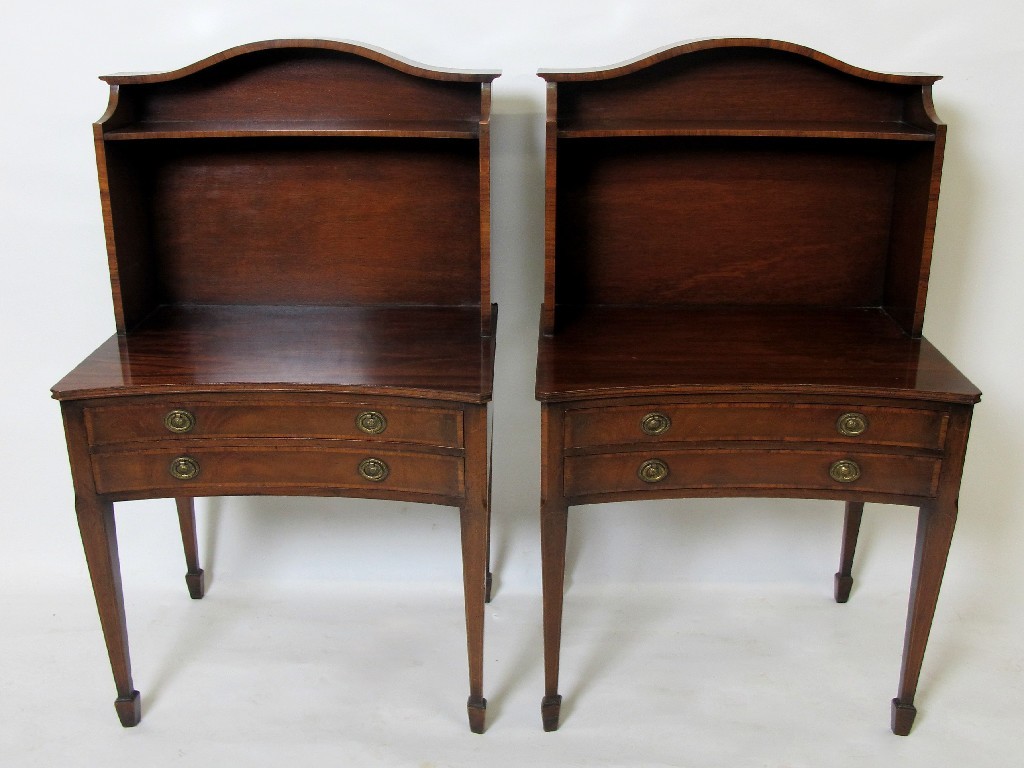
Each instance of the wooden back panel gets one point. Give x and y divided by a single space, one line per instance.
734 83
307 84
304 221
702 221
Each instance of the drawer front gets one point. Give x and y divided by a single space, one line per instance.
355 421
873 425
750 469
207 471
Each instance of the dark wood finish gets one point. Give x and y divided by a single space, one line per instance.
703 422
294 207
554 511
195 577
882 159
738 240
435 353
298 242
217 419
807 129
182 214
227 470
432 129
936 521
474 514
708 201
851 530
758 468
99 539
607 352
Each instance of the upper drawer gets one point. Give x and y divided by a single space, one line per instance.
909 427
355 421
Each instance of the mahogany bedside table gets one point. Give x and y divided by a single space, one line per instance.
298 239
738 242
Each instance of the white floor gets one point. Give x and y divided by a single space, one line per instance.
693 673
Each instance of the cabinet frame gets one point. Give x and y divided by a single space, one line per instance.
298 242
738 229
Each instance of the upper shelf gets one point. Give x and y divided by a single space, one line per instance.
345 47
670 52
333 88
742 87
898 131
202 129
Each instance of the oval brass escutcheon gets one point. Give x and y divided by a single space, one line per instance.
852 424
371 422
655 424
374 470
653 471
179 420
184 468
844 471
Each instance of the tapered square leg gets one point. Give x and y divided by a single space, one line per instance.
934 535
935 524
99 539
194 577
487 500
851 530
474 588
475 519
553 530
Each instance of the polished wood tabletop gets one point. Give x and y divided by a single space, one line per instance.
434 352
602 352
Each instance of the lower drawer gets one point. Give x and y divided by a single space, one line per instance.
750 469
246 470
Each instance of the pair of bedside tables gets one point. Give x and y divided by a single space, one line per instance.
738 239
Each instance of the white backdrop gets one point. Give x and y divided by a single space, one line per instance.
55 305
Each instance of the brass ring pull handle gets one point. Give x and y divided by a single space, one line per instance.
653 471
184 468
655 424
179 421
371 422
844 471
851 424
374 470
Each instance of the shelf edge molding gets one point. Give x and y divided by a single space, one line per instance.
370 52
693 46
